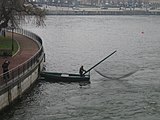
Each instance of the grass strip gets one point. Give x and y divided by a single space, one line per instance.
6 46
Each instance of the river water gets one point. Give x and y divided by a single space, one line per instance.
72 41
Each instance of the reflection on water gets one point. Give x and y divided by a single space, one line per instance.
72 41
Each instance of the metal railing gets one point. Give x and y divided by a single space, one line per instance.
25 67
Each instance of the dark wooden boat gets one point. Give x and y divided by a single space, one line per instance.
64 77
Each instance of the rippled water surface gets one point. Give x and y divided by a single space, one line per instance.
71 41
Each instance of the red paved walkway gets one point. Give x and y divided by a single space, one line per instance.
27 49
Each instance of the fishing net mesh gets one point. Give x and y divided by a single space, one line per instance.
116 69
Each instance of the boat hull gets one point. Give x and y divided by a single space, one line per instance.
64 77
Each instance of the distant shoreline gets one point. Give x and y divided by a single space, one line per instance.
101 12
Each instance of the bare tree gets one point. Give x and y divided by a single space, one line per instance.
13 11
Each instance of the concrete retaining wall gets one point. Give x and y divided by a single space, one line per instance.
17 88
4 100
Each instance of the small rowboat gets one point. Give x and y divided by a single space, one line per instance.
64 77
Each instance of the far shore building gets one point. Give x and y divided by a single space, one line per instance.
99 2
117 1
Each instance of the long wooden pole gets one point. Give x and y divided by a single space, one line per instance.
99 62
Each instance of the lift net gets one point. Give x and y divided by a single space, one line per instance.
116 69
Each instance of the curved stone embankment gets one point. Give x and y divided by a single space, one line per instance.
25 67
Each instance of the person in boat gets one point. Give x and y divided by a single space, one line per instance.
81 70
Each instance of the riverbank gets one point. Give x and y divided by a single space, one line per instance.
24 69
98 11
